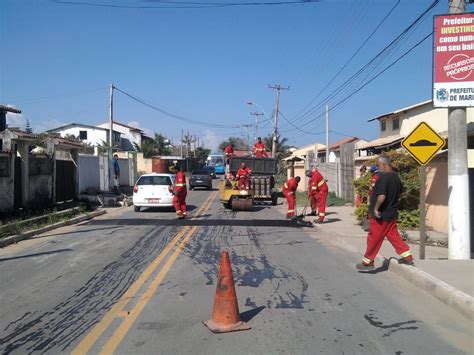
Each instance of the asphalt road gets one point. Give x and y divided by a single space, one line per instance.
142 283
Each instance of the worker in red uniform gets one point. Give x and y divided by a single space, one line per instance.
243 177
319 187
383 211
259 149
289 190
312 194
180 192
229 152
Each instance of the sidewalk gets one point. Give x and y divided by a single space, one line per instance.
450 281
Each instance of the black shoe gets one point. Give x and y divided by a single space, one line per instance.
313 213
365 267
405 261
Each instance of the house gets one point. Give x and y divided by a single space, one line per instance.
131 137
95 136
395 126
335 150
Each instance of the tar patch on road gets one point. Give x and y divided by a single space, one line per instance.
389 329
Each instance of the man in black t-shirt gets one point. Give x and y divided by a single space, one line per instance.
383 213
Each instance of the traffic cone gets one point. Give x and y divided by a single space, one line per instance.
225 317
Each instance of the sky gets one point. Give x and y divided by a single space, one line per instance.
204 64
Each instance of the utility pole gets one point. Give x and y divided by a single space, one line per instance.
278 88
458 178
111 130
255 132
327 142
182 138
247 126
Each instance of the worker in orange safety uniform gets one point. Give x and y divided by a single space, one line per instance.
312 194
259 149
180 192
289 189
243 177
319 186
229 152
375 176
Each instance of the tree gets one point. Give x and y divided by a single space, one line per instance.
238 142
161 144
282 148
28 128
147 148
201 154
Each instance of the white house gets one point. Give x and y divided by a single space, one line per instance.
92 135
131 136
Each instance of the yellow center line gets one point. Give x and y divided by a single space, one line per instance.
115 340
91 338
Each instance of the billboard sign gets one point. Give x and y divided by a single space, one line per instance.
453 60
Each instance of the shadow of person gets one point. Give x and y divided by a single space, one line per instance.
382 268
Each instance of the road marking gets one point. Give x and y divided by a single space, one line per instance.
124 327
91 338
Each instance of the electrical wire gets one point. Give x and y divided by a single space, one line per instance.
172 115
382 54
297 128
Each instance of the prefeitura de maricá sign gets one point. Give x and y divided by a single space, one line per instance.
453 60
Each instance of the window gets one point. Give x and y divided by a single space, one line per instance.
396 124
383 125
82 135
155 180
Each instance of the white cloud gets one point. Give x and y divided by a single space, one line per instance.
16 120
211 140
148 132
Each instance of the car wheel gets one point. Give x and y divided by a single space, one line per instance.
191 187
136 208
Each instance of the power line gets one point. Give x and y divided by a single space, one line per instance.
172 115
384 52
299 129
330 81
186 4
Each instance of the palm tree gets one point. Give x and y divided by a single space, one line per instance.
282 148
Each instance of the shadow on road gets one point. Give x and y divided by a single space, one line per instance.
382 268
196 222
36 254
247 316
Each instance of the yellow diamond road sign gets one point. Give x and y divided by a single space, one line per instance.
423 143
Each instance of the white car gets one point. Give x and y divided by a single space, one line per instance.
153 190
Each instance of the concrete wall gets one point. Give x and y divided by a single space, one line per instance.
6 184
437 194
132 135
89 172
95 137
144 165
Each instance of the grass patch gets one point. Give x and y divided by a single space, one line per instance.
39 222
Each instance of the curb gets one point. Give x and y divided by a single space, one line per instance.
449 295
27 235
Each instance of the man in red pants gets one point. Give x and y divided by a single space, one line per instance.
180 192
289 189
383 213
243 177
312 194
319 187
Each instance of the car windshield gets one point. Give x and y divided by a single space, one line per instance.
155 180
200 172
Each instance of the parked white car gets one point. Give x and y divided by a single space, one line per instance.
153 190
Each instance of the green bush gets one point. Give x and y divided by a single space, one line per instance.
408 170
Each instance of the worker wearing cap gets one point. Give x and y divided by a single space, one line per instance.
289 190
319 186
243 177
229 152
259 149
180 192
312 194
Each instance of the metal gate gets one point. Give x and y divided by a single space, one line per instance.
65 180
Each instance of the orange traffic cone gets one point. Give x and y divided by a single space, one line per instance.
225 317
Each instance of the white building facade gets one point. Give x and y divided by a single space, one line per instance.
95 136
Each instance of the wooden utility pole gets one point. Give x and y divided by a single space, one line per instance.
278 88
327 142
111 134
247 126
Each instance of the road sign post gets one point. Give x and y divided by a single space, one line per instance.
423 143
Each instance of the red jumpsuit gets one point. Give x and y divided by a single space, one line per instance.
260 150
243 178
180 192
319 187
229 152
313 197
289 189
